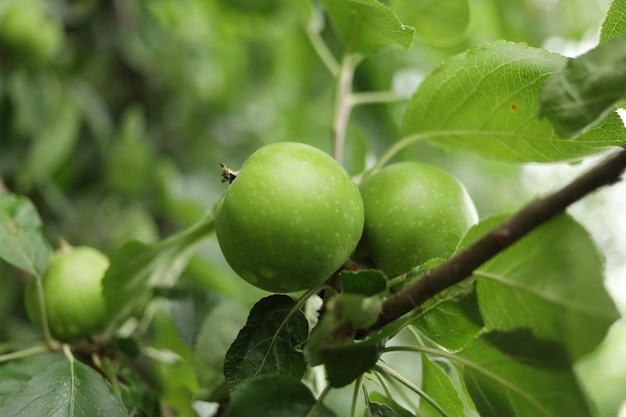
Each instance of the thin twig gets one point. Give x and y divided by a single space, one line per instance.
528 218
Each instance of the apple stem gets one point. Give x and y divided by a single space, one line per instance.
228 174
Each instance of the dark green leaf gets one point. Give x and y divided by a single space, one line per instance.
23 244
551 281
587 90
218 332
64 388
346 362
274 396
368 26
451 318
603 373
366 282
486 101
615 23
137 268
379 410
397 408
438 22
14 375
442 389
269 343
514 374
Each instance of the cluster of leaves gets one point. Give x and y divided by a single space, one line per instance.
511 340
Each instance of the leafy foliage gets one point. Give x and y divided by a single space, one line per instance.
485 101
274 395
519 375
114 117
64 388
269 343
20 228
586 90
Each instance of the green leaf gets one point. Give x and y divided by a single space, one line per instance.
603 373
274 396
587 90
14 375
379 410
346 362
269 343
514 374
486 101
23 244
137 268
64 388
397 408
218 332
441 388
551 281
368 26
452 317
614 24
437 22
365 282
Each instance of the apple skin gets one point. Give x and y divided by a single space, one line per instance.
72 291
290 218
413 212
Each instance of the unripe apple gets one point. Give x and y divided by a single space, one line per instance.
72 293
413 212
291 217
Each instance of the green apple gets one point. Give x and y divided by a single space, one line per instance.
413 212
72 293
291 217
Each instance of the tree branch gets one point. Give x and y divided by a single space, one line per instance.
528 218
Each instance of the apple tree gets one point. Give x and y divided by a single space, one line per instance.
343 260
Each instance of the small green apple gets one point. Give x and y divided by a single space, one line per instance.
413 212
72 293
291 217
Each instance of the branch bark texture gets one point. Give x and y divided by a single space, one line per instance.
528 218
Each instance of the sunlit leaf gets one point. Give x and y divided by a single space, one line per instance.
22 243
514 374
269 343
452 317
440 387
587 90
614 24
368 26
486 100
64 388
274 396
437 22
137 268
551 281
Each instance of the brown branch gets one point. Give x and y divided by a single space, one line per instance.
528 218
